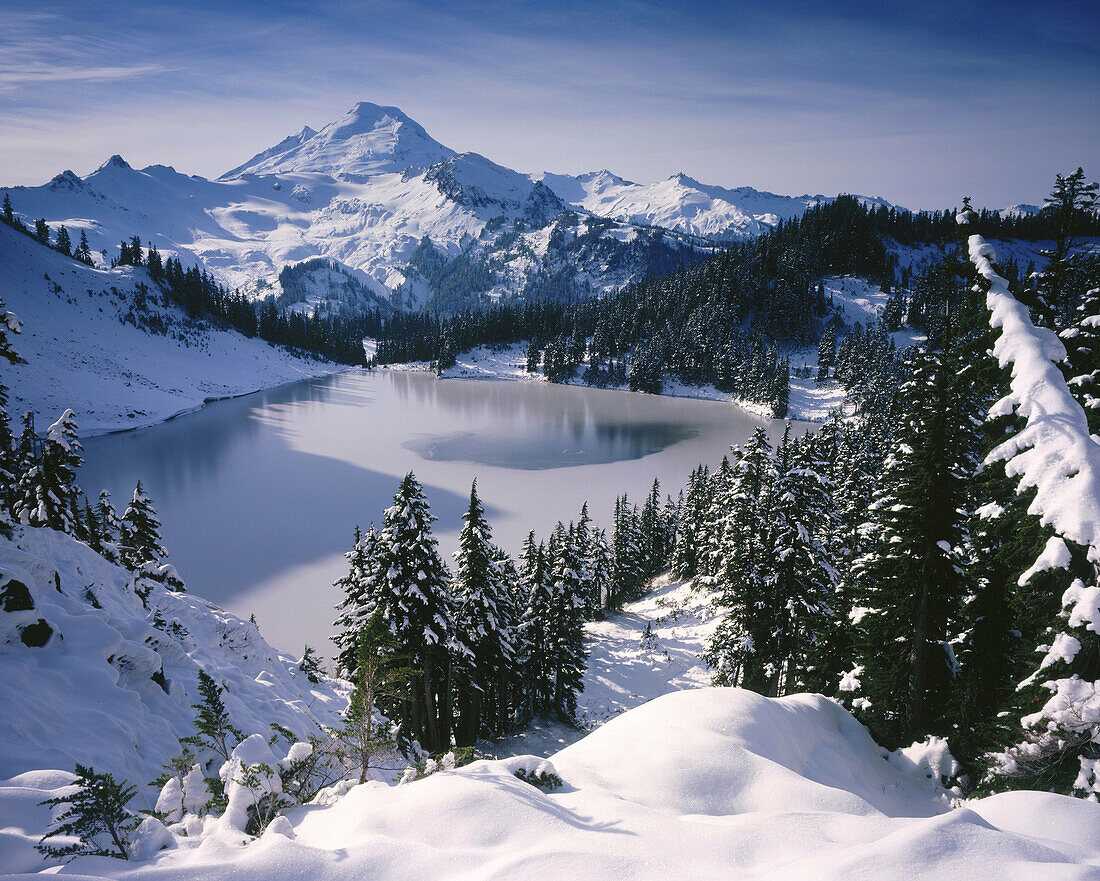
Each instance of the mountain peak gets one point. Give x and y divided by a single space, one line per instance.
368 139
115 161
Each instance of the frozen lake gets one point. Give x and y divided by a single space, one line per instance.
259 495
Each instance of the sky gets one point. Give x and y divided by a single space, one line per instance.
921 103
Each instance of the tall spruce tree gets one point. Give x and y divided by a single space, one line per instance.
416 602
484 622
910 582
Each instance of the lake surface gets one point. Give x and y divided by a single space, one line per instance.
259 495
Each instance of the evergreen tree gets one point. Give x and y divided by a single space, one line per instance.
360 597
9 214
484 619
57 490
42 231
214 730
64 244
26 505
95 815
1081 366
567 657
419 609
139 547
910 583
110 527
742 561
1071 199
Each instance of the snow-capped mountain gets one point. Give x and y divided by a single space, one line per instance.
366 140
373 190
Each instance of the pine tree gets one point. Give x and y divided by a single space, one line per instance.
9 323
1071 198
42 231
742 561
139 547
419 609
214 730
60 460
380 678
691 528
1081 366
484 620
826 352
64 244
110 527
910 583
9 214
25 506
83 252
533 634
95 815
566 655
360 588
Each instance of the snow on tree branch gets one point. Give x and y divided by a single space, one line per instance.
1054 452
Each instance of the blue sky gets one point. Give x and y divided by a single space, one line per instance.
918 102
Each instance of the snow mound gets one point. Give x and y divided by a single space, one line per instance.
702 784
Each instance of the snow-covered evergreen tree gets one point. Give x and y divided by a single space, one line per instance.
139 547
566 655
1082 364
60 460
359 588
110 527
484 622
910 582
416 603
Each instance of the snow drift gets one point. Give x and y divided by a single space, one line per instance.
701 784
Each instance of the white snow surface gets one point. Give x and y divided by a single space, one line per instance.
83 352
699 784
88 695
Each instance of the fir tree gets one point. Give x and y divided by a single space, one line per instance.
214 730
419 609
1081 366
110 527
358 603
95 815
566 656
484 619
139 547
910 583
57 491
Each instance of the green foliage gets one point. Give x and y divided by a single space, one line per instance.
95 815
547 781
215 732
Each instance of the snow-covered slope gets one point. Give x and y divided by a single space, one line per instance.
93 341
368 139
701 784
90 674
683 204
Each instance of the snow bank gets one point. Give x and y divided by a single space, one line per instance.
701 784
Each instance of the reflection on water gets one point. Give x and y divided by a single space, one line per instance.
570 446
259 495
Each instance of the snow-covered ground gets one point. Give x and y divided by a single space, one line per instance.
89 348
670 778
699 784
112 683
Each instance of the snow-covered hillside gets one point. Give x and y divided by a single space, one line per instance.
101 678
94 342
367 189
